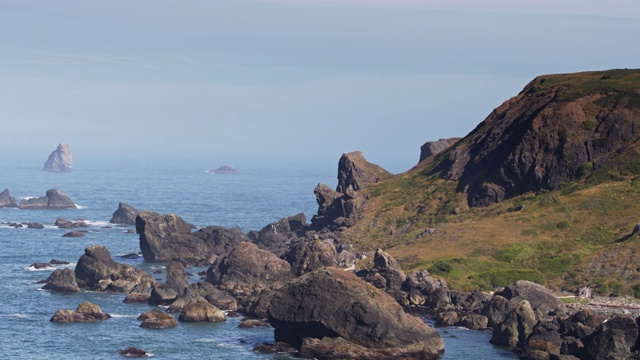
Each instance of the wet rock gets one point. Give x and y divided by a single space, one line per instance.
201 310
86 312
277 348
35 225
359 314
134 352
62 280
125 214
40 265
156 319
60 160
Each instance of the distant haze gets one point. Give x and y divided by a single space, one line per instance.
226 81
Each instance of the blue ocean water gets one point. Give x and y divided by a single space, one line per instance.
260 194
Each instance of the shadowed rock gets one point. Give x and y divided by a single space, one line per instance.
6 200
433 148
96 270
125 214
54 199
86 312
156 319
60 160
278 236
62 280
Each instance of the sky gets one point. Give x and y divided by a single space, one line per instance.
287 80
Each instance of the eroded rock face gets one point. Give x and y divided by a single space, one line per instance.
613 339
96 270
167 237
278 236
86 312
517 326
359 314
6 200
356 172
433 148
54 199
60 160
201 310
249 270
307 256
125 214
62 280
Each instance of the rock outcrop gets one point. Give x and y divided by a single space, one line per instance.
54 199
364 320
201 310
86 312
356 172
6 200
278 236
385 273
96 270
125 214
167 237
306 256
60 159
156 319
62 280
433 148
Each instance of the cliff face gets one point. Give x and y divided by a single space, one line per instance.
60 160
558 129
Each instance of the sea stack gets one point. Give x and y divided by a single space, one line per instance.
60 159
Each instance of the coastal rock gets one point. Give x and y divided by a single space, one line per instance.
248 270
496 310
474 322
201 310
62 280
134 352
356 172
40 265
252 323
96 270
139 294
215 296
613 339
224 169
35 225
541 299
74 234
86 312
517 326
168 237
60 160
6 200
359 314
386 267
54 199
66 224
156 319
433 148
162 295
306 256
176 277
125 214
278 236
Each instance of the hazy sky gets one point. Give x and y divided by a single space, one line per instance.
228 81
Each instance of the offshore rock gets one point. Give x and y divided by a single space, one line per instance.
156 319
66 224
125 214
60 159
433 148
86 312
167 237
54 199
358 314
6 200
201 310
176 277
62 280
96 270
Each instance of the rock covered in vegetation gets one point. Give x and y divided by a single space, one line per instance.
60 160
433 148
124 214
6 200
364 319
156 319
86 312
167 237
53 199
96 270
62 280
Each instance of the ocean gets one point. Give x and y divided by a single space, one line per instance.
260 194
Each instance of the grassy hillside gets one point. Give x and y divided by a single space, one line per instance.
575 235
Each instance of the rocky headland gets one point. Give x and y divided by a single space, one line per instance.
60 160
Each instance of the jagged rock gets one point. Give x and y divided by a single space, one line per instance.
307 256
162 295
6 200
248 270
473 301
358 313
278 236
201 310
156 319
134 352
355 171
474 322
60 160
385 266
62 280
168 237
66 224
496 310
582 324
252 323
541 299
86 312
74 234
258 305
96 270
139 294
613 339
433 148
54 199
125 214
176 277
421 280
543 341
517 326
346 258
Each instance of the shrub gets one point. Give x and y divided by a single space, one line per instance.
440 268
506 277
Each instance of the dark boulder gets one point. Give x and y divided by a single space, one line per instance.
433 148
66 224
60 160
496 310
156 319
62 280
176 277
358 314
35 225
96 270
139 294
162 295
306 256
54 199
517 326
86 312
6 200
134 352
201 310
277 237
385 266
74 234
252 323
40 265
613 339
125 214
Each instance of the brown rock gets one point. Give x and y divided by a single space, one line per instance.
201 310
156 319
86 312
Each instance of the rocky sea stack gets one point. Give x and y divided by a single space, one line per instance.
54 199
224 169
60 159
6 200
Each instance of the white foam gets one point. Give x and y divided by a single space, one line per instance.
19 315
97 223
205 340
117 316
81 207
49 268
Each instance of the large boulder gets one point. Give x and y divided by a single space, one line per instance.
517 326
125 214
306 256
85 312
6 200
156 319
176 277
278 236
53 199
433 148
249 270
62 280
215 296
542 300
613 339
332 303
168 237
96 270
201 310
386 272
60 160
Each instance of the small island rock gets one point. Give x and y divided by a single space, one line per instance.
224 169
156 319
60 160
6 200
54 199
125 214
86 312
